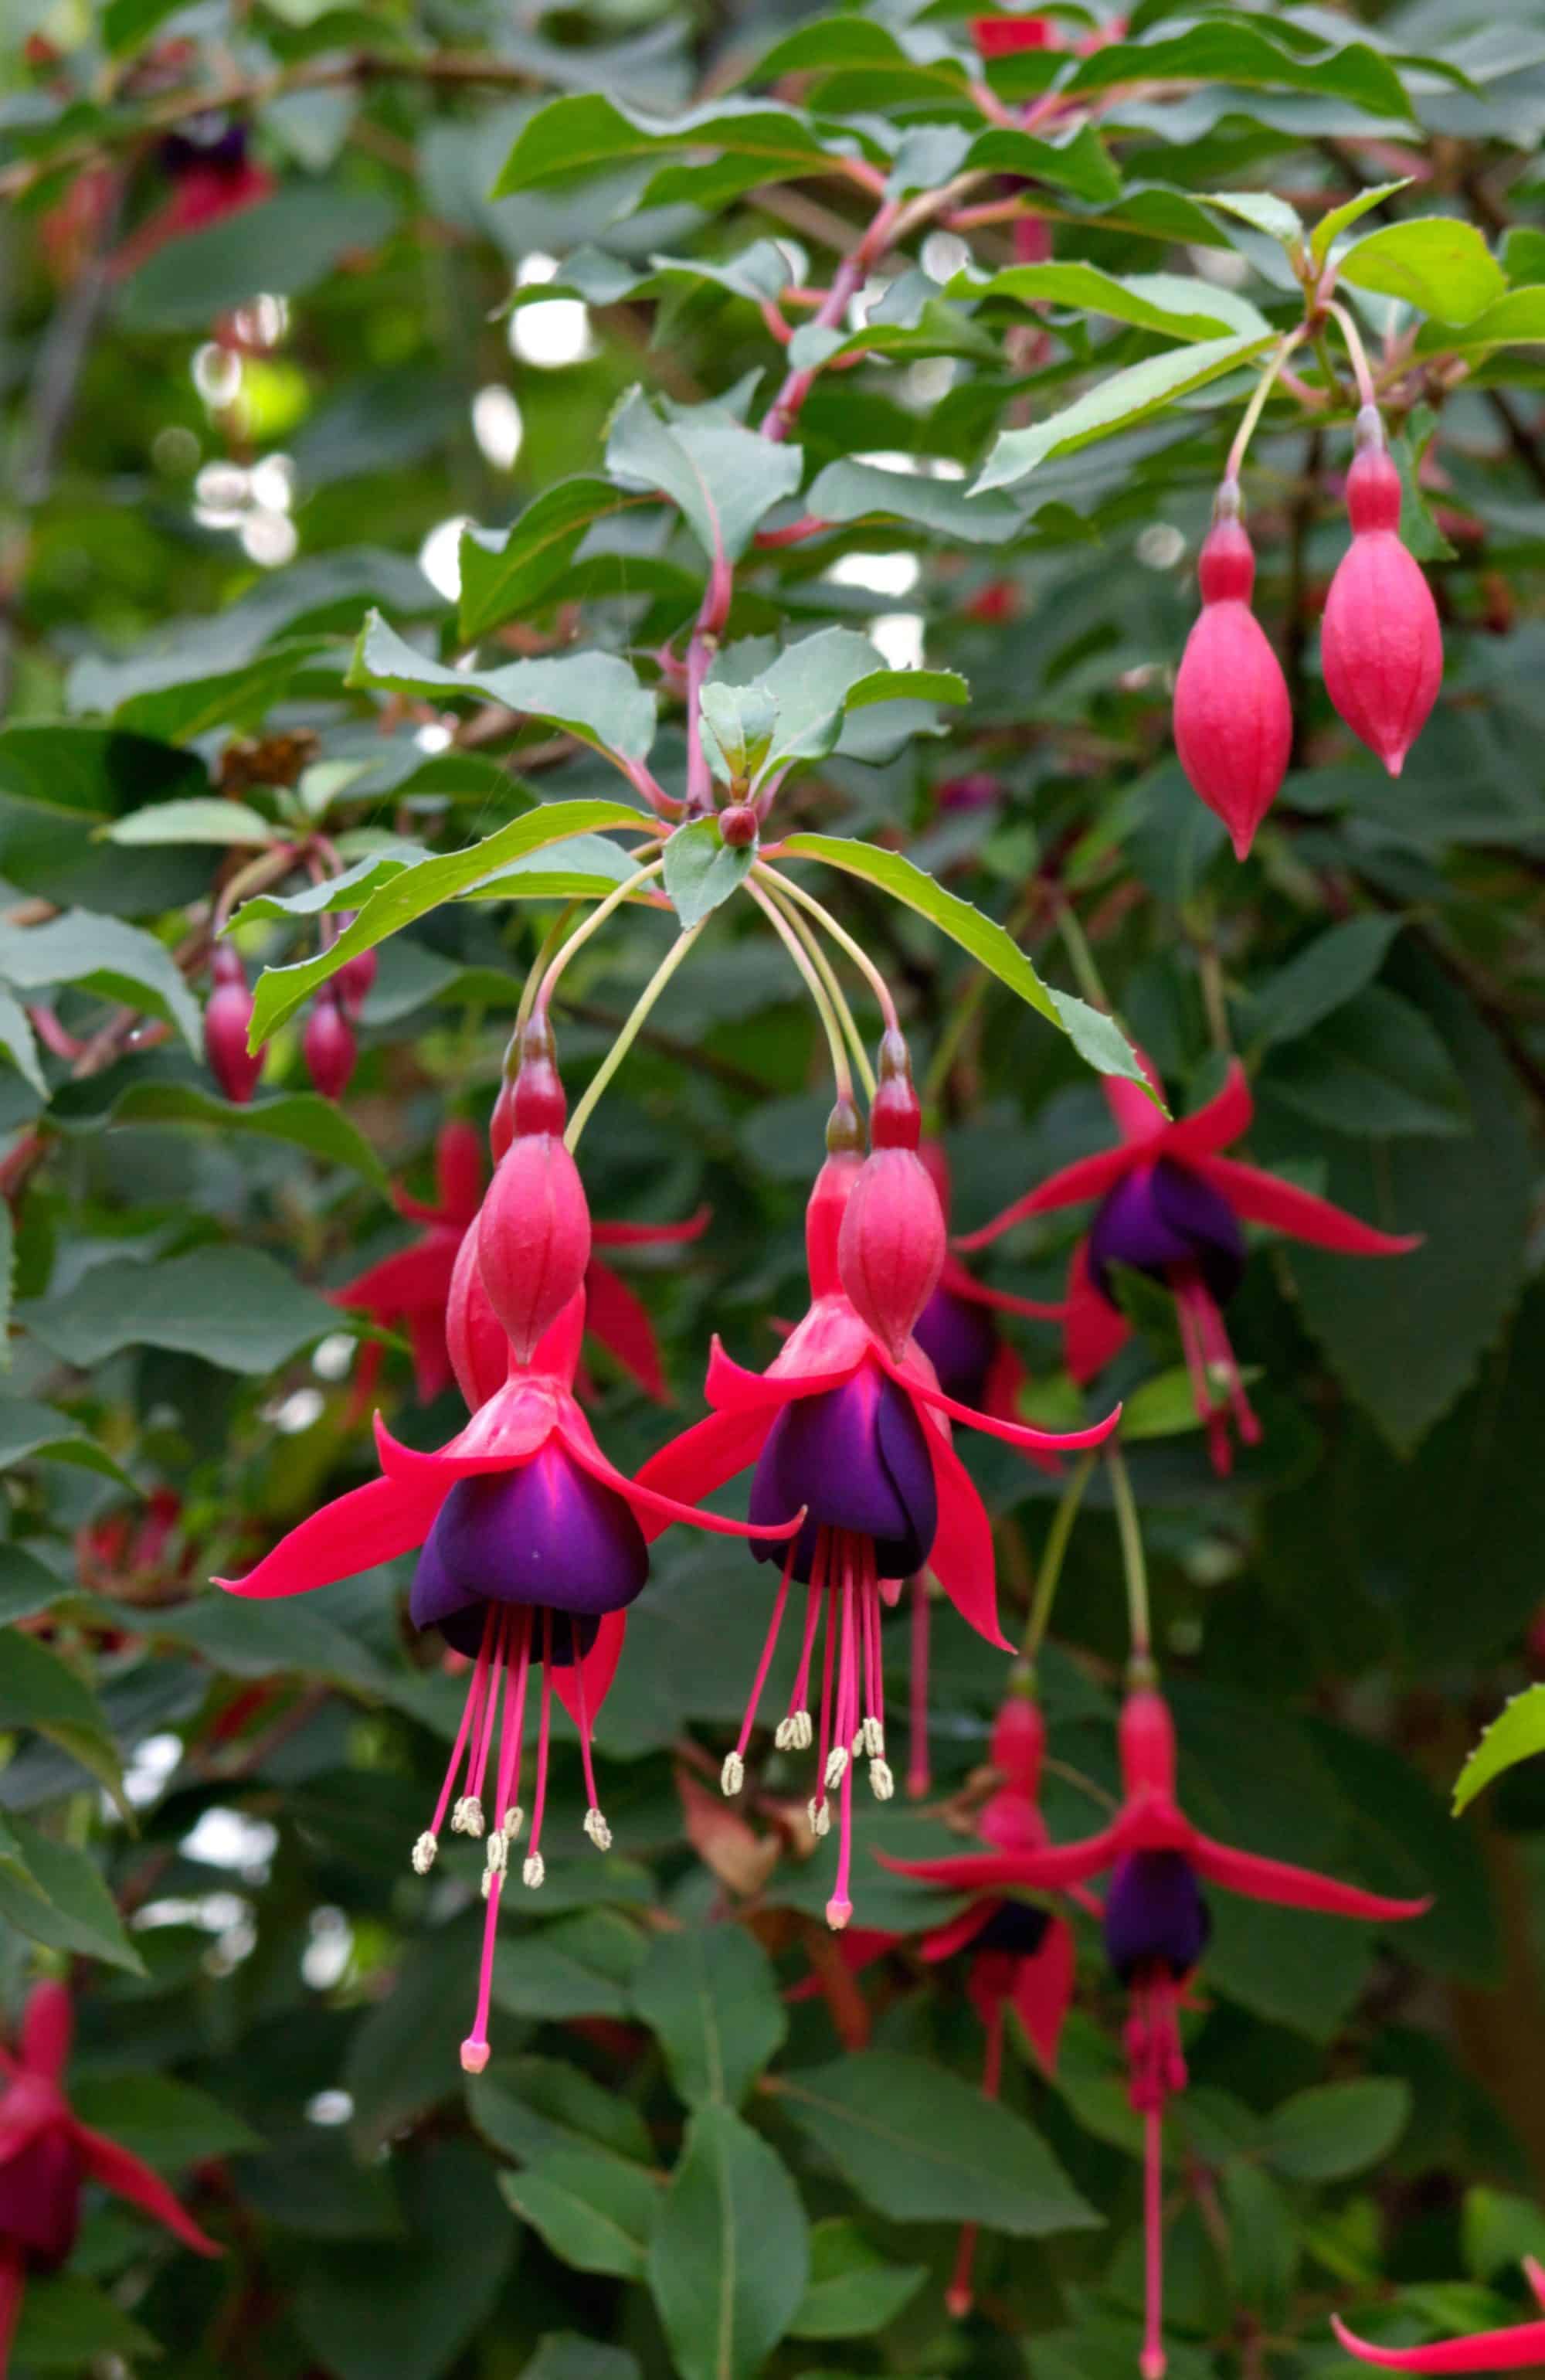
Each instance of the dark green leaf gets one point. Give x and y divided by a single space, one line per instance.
66 1903
505 580
1329 971
168 2123
235 1306
1126 398
1373 1067
853 2292
592 696
283 246
68 2324
595 2212
583 1966
722 476
302 1119
589 134
730 2261
709 1994
529 2106
39 1690
1337 2129
105 956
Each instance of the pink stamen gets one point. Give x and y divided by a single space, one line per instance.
839 1908
959 2297
478 1769
800 1698
919 1772
768 1648
540 1798
1221 1355
829 1656
514 1713
582 1721
1150 2363
475 2048
874 1664
474 1696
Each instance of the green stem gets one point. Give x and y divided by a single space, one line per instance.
1081 958
630 1031
962 1017
1057 1547
840 1070
598 917
843 939
1132 1557
550 942
835 992
1355 349
1263 390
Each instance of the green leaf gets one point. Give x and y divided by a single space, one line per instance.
105 956
1329 228
1418 526
1516 1733
738 722
406 2313
1375 1068
847 491
1236 49
27 1584
412 895
724 478
1332 969
127 25
594 2212
1096 1038
701 870
1336 2129
853 2292
235 1306
19 1044
207 818
1517 320
283 246
563 2355
1262 2251
1500 2229
1163 1407
64 1903
1180 307
168 2123
1080 164
505 580
814 684
730 2261
1126 398
68 2325
594 697
30 1432
39 1690
529 2106
301 1119
710 1994
920 2146
589 134
1261 212
1439 264
583 1966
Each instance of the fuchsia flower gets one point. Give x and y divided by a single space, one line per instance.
1232 720
531 1544
854 1431
47 2154
1514 2350
1156 1925
1381 643
1171 1206
410 1290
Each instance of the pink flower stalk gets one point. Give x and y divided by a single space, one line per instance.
47 2155
1380 644
1170 1206
1156 1927
857 1437
1516 2348
329 1045
1232 720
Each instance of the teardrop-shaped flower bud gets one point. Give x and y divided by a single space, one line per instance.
892 1247
328 1045
1380 644
227 1022
1019 1742
828 1202
356 979
1233 721
475 1338
502 1123
534 1232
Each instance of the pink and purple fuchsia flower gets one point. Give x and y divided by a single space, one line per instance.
1171 1205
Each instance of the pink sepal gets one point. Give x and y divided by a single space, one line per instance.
1260 1197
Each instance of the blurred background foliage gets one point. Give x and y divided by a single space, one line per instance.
259 370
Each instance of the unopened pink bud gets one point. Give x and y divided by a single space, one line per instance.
1147 1740
502 1124
355 980
475 1338
1232 720
227 1022
1019 1742
534 1232
1382 647
890 1249
328 1045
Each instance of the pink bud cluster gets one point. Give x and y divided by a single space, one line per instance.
1381 645
328 1044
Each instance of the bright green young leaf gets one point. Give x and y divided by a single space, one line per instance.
209 819
589 134
1236 49
1080 166
1170 303
1516 1733
1439 264
1119 403
1517 320
1329 228
729 2262
701 870
413 893
1261 212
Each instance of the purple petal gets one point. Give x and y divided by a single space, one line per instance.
546 1533
1155 1915
1015 1927
1164 1215
960 1341
40 2199
857 1457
